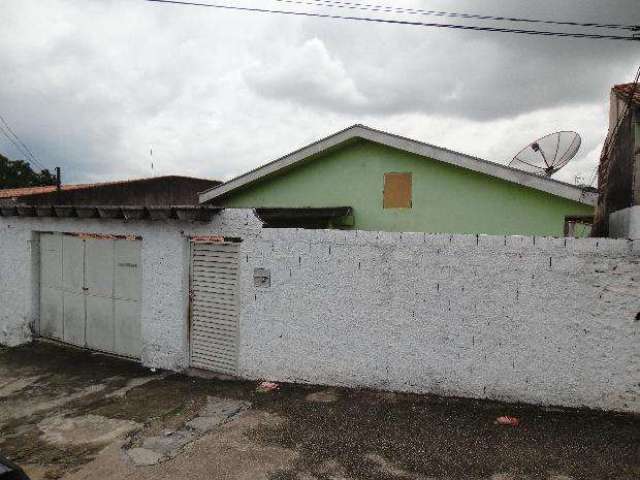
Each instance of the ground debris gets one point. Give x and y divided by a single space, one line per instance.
266 387
508 420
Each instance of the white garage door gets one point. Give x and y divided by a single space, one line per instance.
214 307
90 291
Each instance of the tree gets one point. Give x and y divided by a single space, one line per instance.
18 173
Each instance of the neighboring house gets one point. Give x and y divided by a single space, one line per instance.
618 211
85 252
155 198
366 179
166 190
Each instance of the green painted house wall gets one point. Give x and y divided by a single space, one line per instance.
445 198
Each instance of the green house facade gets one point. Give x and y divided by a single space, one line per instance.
392 183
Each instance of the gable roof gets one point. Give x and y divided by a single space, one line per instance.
526 179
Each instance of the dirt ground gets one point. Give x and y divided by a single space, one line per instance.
67 413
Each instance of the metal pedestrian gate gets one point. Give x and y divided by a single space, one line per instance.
214 305
90 291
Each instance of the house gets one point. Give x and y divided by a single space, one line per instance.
366 179
618 210
164 190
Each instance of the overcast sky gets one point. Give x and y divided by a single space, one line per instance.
92 85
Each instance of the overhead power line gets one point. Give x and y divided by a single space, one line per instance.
25 150
30 159
8 132
469 16
399 22
18 147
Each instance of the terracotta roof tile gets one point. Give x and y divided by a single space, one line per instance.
22 192
625 89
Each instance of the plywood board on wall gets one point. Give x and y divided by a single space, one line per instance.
397 190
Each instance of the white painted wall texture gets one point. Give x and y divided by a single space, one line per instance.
165 267
625 223
548 321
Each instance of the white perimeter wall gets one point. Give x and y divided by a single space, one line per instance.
165 270
540 320
625 223
547 321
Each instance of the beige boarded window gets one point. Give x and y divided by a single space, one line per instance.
397 190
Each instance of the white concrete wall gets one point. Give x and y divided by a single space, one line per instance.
164 276
546 321
625 223
549 321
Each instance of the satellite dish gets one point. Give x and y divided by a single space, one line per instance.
548 154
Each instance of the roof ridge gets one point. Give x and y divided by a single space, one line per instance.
355 131
466 155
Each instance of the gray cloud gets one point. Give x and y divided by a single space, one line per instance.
92 86
468 74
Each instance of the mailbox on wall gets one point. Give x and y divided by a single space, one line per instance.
261 277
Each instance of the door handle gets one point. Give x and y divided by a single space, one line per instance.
85 288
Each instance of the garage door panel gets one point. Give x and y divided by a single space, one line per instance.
72 263
128 274
99 267
128 338
51 260
81 279
100 323
51 313
74 315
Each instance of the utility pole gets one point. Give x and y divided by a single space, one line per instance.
58 179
